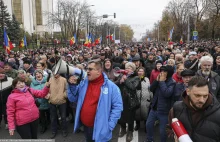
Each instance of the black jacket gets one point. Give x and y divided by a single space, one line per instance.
208 127
5 89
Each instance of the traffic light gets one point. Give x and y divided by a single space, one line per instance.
105 16
114 15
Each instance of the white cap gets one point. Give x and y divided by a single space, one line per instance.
69 55
174 120
192 53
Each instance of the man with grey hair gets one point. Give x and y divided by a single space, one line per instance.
206 63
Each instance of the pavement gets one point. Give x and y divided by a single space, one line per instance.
139 136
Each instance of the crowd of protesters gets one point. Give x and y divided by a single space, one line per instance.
156 75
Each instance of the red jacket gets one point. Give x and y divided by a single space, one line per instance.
177 78
153 75
21 107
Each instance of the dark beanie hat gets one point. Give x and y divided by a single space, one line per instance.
169 69
158 61
52 60
27 62
187 72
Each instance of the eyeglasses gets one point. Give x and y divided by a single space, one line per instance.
90 69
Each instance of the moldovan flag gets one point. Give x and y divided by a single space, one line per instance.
7 43
88 41
73 40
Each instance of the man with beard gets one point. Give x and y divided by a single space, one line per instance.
206 63
198 111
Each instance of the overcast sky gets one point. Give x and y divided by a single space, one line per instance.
140 14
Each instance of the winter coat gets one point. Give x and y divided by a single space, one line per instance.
39 86
177 78
153 75
149 66
5 89
30 70
178 90
207 129
145 96
21 107
192 65
110 74
214 83
128 89
108 110
163 92
70 92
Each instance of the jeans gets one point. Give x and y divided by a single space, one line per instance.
54 116
163 119
44 117
88 132
29 130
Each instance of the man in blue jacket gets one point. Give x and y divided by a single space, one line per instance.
99 103
163 89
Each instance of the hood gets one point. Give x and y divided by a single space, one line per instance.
210 106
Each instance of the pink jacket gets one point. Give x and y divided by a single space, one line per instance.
21 107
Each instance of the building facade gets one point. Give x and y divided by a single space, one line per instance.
31 14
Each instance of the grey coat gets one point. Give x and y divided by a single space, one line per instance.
145 96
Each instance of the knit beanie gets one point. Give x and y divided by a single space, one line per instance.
159 61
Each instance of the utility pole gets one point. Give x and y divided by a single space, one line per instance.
114 34
188 33
119 33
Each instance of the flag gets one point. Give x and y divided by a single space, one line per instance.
181 40
7 43
98 40
73 40
170 35
112 37
88 41
21 44
25 41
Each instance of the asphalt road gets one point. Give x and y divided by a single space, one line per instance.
139 136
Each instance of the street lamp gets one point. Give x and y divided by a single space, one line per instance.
88 19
